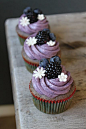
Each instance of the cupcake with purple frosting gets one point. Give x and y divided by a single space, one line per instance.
52 87
31 22
43 45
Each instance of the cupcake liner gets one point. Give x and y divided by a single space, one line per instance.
30 67
22 40
21 35
52 107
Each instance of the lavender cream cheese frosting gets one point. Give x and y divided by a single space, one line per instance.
39 52
52 87
33 27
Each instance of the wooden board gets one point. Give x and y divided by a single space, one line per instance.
71 32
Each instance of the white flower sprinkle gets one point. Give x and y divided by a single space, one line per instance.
41 17
39 73
31 41
24 21
51 43
62 77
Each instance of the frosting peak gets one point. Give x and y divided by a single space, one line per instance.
39 52
52 87
33 27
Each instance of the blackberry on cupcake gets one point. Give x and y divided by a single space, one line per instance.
44 36
52 68
27 21
52 87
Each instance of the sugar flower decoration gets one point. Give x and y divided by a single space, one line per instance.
41 17
51 43
39 73
31 41
62 77
24 21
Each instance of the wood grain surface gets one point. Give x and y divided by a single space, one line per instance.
70 30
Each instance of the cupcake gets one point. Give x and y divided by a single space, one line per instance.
43 45
30 22
52 87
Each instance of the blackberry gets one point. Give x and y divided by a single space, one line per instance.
32 16
42 37
53 70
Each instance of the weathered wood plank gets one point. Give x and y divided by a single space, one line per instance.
69 27
30 117
71 32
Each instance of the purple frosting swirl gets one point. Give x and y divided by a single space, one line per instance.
52 87
33 27
39 52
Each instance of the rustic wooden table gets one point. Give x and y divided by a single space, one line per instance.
70 30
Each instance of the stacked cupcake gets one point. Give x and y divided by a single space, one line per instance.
52 87
43 45
30 22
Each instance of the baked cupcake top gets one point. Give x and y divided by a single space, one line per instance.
51 79
43 45
32 21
